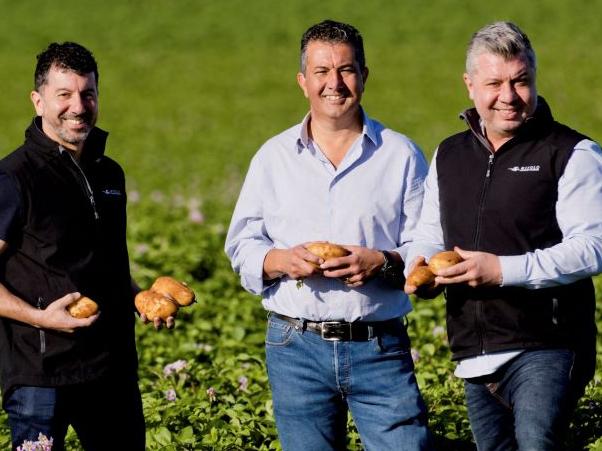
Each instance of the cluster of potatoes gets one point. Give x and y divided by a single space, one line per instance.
421 275
162 300
425 275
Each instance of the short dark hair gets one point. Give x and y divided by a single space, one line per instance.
68 55
334 32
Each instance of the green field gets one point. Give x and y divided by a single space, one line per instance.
190 89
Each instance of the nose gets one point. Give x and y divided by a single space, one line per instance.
335 79
77 105
507 93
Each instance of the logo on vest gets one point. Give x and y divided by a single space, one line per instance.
111 192
534 168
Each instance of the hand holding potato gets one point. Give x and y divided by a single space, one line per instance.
422 279
318 252
476 268
355 268
161 302
326 250
57 314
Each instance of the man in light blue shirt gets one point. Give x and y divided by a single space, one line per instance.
519 196
335 341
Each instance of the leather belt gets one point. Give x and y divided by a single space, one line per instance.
342 330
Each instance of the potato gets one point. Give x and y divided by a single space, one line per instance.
444 260
155 305
421 275
171 288
327 251
84 307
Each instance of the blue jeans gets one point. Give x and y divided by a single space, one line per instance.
526 404
105 415
315 382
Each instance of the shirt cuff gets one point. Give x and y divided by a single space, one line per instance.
514 269
252 277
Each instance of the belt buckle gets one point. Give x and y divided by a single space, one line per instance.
334 327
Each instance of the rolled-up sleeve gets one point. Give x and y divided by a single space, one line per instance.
427 236
414 174
247 242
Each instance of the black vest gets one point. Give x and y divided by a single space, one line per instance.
504 203
66 241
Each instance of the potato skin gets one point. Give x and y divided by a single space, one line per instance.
155 305
84 307
327 251
421 275
444 260
173 289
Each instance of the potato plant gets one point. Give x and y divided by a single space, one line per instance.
204 383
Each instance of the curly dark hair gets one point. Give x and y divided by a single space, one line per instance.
68 55
334 32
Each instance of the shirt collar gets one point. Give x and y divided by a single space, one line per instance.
367 131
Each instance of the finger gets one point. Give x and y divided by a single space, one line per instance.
464 253
337 262
143 318
359 283
439 280
158 323
66 300
338 273
409 289
418 261
85 322
455 270
171 322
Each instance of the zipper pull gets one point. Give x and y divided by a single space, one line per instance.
489 165
93 202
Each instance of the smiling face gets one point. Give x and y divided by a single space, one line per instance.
333 82
503 92
68 105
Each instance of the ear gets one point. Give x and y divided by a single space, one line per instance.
302 83
365 73
469 86
38 102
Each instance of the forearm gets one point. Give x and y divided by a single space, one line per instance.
561 264
15 308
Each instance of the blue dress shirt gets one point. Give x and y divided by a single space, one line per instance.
293 194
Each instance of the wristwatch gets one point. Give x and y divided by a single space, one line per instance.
391 271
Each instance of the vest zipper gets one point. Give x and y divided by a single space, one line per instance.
42 333
555 311
477 231
477 234
87 187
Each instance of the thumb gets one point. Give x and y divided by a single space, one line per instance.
418 261
66 300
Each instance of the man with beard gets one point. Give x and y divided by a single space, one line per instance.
62 235
520 198
336 342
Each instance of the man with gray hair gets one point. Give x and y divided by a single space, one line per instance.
519 197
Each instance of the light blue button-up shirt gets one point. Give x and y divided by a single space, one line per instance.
293 194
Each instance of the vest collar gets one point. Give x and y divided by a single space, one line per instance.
94 146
